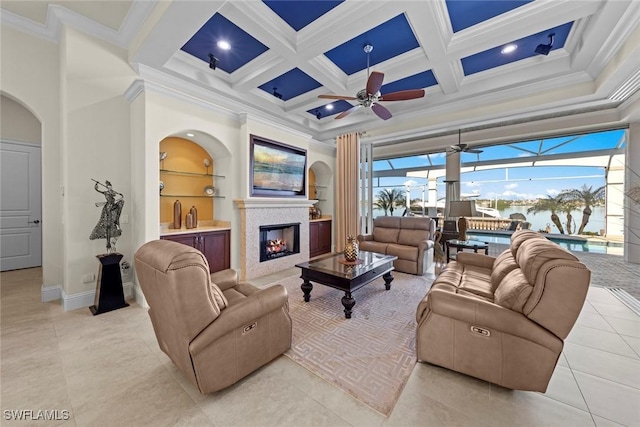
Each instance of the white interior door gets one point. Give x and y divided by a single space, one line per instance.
20 206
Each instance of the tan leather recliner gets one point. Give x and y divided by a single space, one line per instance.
213 328
504 319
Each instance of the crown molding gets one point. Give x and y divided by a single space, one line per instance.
49 32
173 87
135 89
247 117
57 16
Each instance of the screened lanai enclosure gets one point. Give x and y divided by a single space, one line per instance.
506 180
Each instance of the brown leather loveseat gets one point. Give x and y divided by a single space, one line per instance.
213 328
410 239
504 319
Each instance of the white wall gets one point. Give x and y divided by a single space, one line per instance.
30 74
96 146
18 123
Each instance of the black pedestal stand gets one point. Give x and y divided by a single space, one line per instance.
109 292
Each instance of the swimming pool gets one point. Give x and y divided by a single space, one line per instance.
573 244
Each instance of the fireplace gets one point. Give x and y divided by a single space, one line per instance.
279 240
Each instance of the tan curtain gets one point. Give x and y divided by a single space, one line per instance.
347 178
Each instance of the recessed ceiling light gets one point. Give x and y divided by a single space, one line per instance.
224 45
329 107
191 135
509 48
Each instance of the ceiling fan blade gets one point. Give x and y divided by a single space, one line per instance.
473 150
347 112
381 111
348 98
374 83
403 95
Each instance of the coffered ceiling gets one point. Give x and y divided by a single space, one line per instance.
283 54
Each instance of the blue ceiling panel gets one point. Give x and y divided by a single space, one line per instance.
465 13
244 47
526 48
299 14
291 84
417 81
388 39
338 107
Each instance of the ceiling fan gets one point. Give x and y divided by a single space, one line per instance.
371 96
460 147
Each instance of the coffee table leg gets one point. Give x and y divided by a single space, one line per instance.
306 288
388 278
348 302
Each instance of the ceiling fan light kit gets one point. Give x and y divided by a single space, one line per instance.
370 96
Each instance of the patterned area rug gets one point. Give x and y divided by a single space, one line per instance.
371 355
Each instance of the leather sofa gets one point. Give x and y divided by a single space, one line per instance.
214 329
503 319
408 238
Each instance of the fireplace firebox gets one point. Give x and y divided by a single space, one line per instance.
279 240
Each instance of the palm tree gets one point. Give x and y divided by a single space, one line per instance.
549 204
567 206
589 197
381 202
389 199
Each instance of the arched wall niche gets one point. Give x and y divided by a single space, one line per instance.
321 183
195 147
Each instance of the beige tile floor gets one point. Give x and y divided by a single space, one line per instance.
107 370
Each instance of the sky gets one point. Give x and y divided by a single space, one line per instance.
517 183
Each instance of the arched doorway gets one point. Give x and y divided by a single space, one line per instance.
21 187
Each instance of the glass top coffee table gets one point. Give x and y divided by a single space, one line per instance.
460 245
335 272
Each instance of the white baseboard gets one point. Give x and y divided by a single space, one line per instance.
140 299
51 293
87 298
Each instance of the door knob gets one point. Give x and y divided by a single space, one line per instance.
37 221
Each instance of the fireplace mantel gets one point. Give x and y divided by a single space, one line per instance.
260 203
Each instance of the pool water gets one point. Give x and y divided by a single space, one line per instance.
570 244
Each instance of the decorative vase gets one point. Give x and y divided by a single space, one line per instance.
351 249
177 215
188 220
193 211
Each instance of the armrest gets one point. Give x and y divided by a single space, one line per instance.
478 260
225 279
483 313
241 314
364 237
425 245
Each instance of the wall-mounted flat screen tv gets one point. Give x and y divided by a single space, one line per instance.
277 169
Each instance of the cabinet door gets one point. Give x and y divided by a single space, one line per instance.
216 248
314 238
324 236
185 239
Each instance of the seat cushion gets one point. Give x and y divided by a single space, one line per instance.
373 246
409 253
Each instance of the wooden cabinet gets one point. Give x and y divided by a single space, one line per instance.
215 245
319 238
